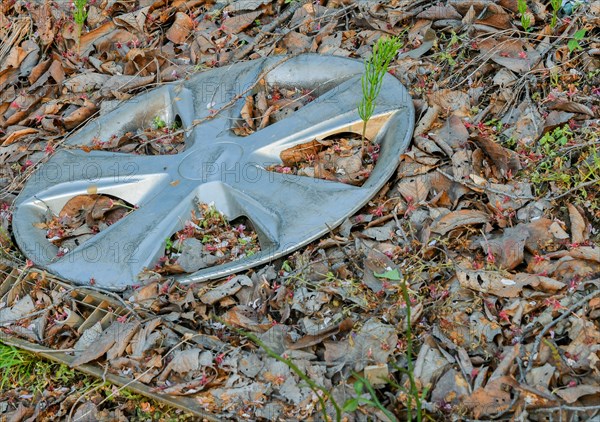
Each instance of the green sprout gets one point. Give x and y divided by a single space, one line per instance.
525 19
413 390
376 67
573 44
158 122
556 5
79 16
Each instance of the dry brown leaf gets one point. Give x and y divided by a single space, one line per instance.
572 394
556 118
312 339
57 72
296 42
491 399
505 159
455 102
539 235
180 31
439 12
453 132
84 82
299 153
42 16
514 54
125 83
246 318
427 120
429 146
457 219
78 204
79 115
146 294
248 111
489 282
104 343
89 38
508 249
227 289
539 282
578 227
415 189
495 18
133 21
17 54
39 70
236 24
571 107
126 332
14 136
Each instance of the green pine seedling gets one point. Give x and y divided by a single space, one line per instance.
376 67
525 19
79 16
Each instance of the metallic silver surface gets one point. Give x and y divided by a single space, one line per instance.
287 211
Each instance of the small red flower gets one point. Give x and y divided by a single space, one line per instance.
504 316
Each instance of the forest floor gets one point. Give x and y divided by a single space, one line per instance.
466 289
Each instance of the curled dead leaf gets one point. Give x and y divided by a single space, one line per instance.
457 219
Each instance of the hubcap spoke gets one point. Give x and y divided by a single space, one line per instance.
113 259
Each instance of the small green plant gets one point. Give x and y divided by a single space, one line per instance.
525 18
556 5
376 67
553 166
573 43
79 16
321 392
286 266
23 370
176 125
413 391
352 404
158 122
168 244
554 78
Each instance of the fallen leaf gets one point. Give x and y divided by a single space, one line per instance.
104 343
572 394
505 159
299 153
456 219
489 282
514 54
578 226
229 288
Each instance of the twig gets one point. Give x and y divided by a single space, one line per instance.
476 187
85 393
244 92
266 29
574 189
565 314
575 408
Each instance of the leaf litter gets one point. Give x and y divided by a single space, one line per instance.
492 220
207 239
